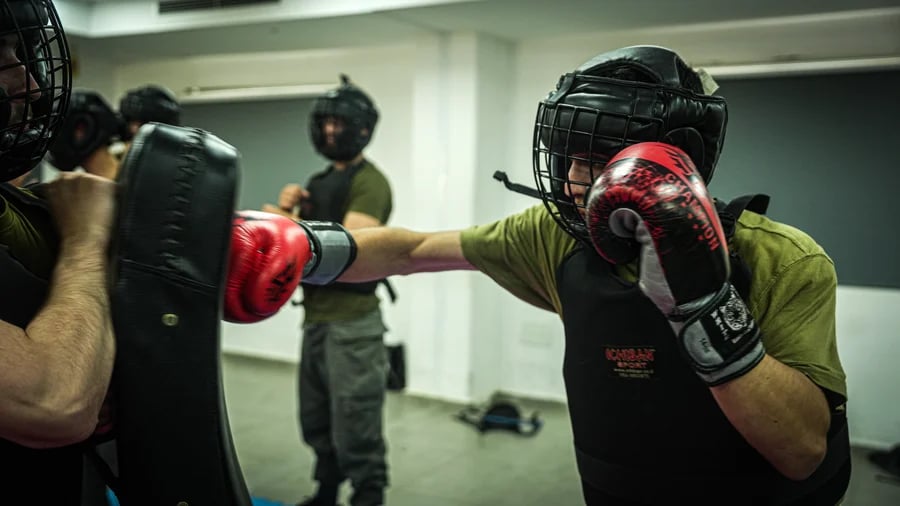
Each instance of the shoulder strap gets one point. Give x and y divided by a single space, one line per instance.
730 212
353 170
728 215
392 292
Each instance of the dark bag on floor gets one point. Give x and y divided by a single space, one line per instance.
396 379
501 413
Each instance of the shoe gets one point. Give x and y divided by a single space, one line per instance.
368 497
315 501
888 461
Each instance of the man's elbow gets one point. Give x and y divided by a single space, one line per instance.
47 428
805 461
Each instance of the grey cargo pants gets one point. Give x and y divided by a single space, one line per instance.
342 380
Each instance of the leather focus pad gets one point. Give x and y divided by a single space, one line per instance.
178 190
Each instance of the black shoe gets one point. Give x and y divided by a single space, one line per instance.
888 461
368 497
325 496
316 501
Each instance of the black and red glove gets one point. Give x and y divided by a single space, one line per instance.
651 202
268 255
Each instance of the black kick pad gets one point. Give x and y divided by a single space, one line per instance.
178 192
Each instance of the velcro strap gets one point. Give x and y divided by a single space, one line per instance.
333 250
722 339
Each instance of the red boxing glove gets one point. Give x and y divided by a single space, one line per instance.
651 202
268 255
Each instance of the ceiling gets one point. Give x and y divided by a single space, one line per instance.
513 20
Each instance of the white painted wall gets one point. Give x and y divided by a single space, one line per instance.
868 326
93 70
439 314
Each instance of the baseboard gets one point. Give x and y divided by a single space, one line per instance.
263 355
532 397
872 445
412 392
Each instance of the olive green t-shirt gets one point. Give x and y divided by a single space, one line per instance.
370 193
26 236
792 291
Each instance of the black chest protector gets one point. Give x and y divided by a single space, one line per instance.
645 427
329 195
28 472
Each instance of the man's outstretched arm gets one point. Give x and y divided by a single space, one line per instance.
383 252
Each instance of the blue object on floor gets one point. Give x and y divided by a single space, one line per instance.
111 498
265 502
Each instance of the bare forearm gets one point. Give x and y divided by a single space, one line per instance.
73 335
383 252
781 413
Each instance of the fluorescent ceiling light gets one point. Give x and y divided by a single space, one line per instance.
199 94
805 67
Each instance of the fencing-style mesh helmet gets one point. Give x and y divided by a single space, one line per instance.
35 83
358 116
623 97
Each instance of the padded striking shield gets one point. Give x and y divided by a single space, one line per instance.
171 254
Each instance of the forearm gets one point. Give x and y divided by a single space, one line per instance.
781 413
384 251
73 336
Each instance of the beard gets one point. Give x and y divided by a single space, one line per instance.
13 116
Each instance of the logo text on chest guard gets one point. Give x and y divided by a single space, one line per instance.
630 362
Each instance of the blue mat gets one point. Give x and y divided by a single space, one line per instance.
265 502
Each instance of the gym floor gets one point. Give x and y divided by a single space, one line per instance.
433 459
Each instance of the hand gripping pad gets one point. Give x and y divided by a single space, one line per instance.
173 233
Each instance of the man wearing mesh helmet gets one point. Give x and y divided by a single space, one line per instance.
55 332
701 363
343 366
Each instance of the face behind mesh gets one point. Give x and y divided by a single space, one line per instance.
37 83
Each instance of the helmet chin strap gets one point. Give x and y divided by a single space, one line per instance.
10 140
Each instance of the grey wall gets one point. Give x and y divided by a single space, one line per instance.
272 137
827 149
